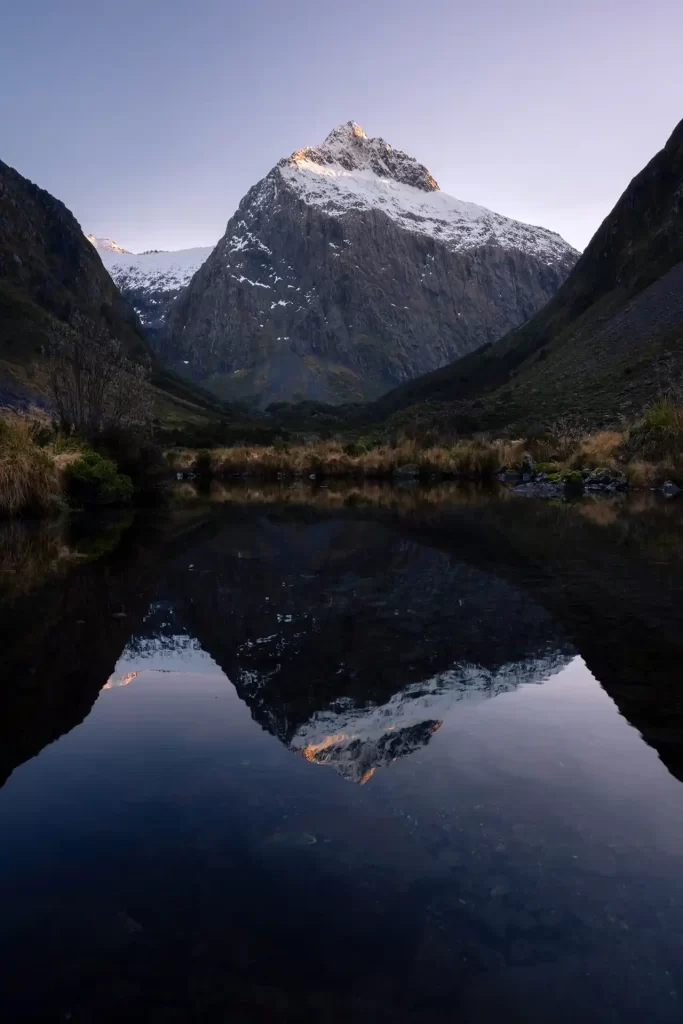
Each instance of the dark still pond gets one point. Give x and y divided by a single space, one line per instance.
377 756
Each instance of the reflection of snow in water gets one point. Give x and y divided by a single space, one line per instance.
119 679
357 740
353 738
162 646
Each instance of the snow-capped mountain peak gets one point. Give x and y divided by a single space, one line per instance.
346 271
107 245
348 149
352 172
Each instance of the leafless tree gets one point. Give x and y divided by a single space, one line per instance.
569 429
94 386
669 379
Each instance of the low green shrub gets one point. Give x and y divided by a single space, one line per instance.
63 444
357 448
94 480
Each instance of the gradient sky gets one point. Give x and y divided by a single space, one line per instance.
150 119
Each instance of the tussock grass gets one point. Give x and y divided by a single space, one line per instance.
641 475
649 452
472 460
29 478
658 436
601 449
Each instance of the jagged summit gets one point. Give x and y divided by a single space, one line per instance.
349 149
351 172
107 245
351 129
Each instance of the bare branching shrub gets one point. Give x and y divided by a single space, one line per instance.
669 380
567 432
94 386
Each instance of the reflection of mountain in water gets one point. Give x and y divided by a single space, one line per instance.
329 626
161 632
357 740
350 643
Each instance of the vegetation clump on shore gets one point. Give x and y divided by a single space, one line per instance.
29 475
474 460
646 454
43 470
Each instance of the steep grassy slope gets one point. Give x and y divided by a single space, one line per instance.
605 341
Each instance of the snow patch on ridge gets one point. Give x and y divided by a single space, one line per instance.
351 172
355 740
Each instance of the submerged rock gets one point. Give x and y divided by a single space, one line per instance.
540 488
670 489
409 472
606 479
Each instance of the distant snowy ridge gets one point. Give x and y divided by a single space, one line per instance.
155 268
150 280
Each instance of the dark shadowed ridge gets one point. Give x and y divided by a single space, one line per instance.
48 270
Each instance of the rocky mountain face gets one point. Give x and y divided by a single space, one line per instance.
604 345
48 270
150 281
346 271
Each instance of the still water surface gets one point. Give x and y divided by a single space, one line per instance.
393 760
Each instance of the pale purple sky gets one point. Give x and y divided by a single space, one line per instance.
151 118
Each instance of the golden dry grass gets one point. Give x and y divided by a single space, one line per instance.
631 451
467 459
601 449
29 477
641 475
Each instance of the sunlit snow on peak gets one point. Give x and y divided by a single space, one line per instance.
351 172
